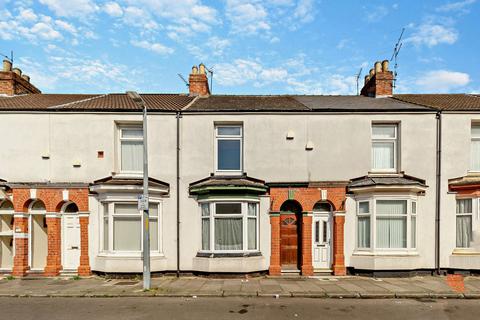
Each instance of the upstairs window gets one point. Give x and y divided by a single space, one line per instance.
131 149
384 147
228 141
475 148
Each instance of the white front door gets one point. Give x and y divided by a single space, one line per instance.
321 241
71 242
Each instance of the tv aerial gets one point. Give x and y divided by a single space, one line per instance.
357 77
183 79
7 57
396 51
210 72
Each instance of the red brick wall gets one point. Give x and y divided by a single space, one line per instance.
307 197
198 85
53 201
13 84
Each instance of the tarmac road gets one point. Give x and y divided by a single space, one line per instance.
235 308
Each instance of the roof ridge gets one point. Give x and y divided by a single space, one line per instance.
73 102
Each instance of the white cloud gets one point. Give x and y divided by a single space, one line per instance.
247 17
66 26
304 11
431 34
242 71
71 8
45 31
138 17
153 46
27 15
377 13
113 9
460 6
442 80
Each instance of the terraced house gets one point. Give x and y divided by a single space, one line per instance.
280 184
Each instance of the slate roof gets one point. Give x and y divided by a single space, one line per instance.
90 102
300 103
356 103
129 181
368 181
227 182
444 102
247 103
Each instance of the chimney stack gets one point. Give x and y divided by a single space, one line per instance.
12 82
379 82
198 81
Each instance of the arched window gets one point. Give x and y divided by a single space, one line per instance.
322 207
71 208
37 206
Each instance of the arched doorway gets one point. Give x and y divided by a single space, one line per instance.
321 236
38 236
70 237
6 235
290 235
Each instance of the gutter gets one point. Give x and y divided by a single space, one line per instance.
438 191
178 115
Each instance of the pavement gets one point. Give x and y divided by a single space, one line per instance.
236 308
425 287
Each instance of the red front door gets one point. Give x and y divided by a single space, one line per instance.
289 241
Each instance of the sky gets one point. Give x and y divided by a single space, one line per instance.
252 46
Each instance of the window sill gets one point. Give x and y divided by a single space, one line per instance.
129 255
465 252
386 254
390 173
128 175
228 254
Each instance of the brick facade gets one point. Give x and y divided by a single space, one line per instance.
14 84
53 199
307 197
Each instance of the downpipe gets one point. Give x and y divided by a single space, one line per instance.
438 191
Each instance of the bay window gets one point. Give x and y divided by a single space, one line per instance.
384 147
392 220
121 227
131 149
228 147
229 226
464 228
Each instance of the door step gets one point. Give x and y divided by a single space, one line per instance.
70 273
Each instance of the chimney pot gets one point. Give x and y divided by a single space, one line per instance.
26 77
7 65
385 65
194 70
371 73
17 71
378 67
201 68
367 78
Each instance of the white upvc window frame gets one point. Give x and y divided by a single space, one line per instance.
363 215
120 128
473 139
474 218
110 205
244 215
372 199
228 137
394 141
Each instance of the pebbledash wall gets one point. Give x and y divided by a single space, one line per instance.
64 147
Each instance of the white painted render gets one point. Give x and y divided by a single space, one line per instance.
341 151
456 142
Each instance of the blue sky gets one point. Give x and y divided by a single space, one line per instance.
253 46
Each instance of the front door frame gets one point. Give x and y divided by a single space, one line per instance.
322 216
64 238
298 220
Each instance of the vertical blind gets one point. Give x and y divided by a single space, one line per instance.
383 155
132 156
391 223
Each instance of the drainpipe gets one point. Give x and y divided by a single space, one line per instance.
179 115
438 190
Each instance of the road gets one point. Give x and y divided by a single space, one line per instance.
234 308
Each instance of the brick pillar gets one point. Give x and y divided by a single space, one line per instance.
54 255
20 260
84 268
338 244
307 266
275 268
